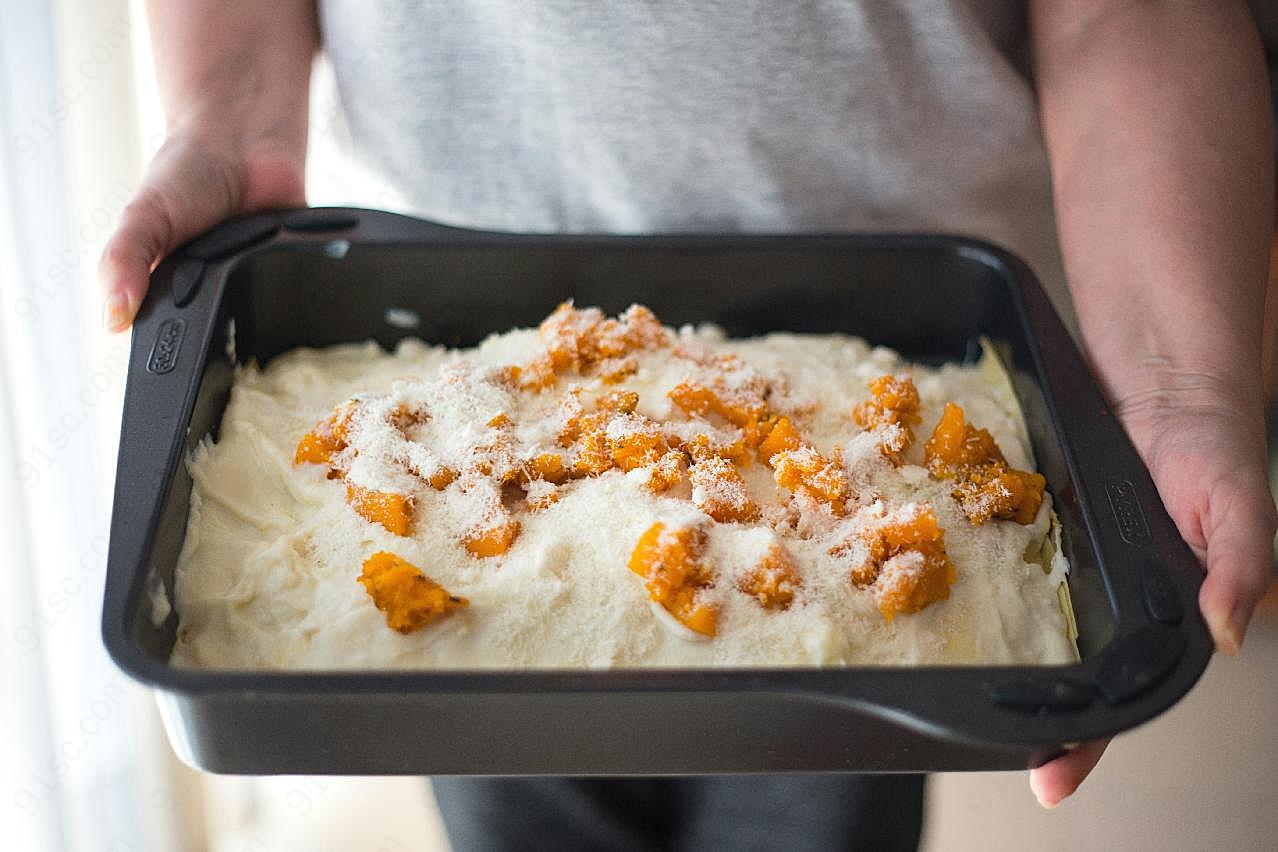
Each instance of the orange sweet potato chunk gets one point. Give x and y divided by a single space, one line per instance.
806 471
773 581
537 375
999 492
669 561
441 478
640 329
955 445
616 370
393 511
913 580
619 401
984 485
637 449
702 445
326 439
594 456
666 472
548 466
509 376
782 438
719 491
695 400
409 598
492 539
893 407
584 341
612 435
749 414
907 567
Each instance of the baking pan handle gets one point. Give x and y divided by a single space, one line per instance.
379 226
1151 576
172 334
176 332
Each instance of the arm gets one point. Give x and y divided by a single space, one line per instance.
1158 127
234 79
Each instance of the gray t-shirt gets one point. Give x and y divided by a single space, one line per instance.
701 115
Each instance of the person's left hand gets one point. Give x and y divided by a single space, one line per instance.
1204 443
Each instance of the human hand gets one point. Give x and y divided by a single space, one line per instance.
1204 444
198 179
233 78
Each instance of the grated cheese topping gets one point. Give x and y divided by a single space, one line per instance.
531 468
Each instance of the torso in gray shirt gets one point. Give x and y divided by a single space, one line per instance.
701 115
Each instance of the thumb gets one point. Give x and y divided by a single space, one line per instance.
1239 529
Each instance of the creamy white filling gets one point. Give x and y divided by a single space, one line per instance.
267 576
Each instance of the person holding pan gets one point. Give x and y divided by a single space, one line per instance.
1124 149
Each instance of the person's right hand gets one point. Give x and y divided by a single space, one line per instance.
1204 444
195 181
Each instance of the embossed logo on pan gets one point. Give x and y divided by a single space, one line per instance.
1128 513
167 347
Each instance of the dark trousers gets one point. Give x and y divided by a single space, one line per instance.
879 813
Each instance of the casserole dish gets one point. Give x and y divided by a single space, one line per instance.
262 285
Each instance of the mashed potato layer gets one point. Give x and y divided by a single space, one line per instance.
442 461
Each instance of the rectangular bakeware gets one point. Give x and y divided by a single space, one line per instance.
258 286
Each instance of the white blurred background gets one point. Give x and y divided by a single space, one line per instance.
86 765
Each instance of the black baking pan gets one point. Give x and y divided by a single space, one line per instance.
259 286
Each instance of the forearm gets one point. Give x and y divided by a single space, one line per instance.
238 67
1158 127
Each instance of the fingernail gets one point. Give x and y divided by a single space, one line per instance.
1046 805
1238 626
1228 635
116 312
